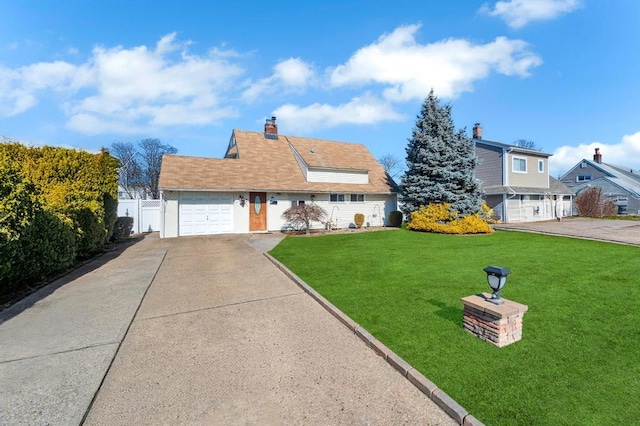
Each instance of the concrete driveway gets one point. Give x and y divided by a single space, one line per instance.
618 231
221 337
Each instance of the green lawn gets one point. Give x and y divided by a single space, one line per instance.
578 362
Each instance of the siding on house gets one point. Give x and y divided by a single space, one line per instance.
169 211
334 176
532 178
571 177
489 171
496 203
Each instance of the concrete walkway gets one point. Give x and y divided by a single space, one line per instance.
221 337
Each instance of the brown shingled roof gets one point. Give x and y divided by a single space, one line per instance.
270 165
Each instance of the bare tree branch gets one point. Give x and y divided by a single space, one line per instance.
527 144
390 164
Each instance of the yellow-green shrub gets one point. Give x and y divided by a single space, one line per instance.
358 219
55 203
439 218
488 214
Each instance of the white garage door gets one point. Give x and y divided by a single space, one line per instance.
204 213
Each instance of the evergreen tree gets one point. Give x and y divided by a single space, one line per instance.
440 163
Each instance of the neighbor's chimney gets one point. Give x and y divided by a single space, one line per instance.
477 131
271 128
597 157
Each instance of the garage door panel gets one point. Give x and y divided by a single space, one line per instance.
206 213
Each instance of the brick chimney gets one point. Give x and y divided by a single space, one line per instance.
477 131
597 157
271 129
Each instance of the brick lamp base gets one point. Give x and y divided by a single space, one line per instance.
499 325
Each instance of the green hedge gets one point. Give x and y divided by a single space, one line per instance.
56 204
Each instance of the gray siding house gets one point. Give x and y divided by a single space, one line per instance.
618 183
516 182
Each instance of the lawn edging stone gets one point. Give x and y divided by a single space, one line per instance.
426 386
451 407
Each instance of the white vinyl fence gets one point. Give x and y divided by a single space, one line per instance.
145 213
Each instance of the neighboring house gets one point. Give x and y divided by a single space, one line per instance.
516 182
619 184
262 175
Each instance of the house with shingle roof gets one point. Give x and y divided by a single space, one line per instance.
516 182
618 183
263 174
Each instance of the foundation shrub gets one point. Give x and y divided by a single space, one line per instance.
358 219
395 218
440 218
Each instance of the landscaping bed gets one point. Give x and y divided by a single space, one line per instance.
579 359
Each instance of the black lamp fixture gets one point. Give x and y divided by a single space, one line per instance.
497 278
242 199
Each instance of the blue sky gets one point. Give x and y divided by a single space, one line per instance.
84 74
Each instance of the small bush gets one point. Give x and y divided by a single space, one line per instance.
395 218
299 217
592 203
439 218
123 227
358 219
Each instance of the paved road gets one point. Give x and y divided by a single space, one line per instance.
221 337
619 231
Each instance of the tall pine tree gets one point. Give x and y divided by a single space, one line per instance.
440 163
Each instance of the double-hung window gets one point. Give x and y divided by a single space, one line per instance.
519 165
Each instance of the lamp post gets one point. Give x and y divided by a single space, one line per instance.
497 278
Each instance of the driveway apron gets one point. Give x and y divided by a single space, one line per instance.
224 337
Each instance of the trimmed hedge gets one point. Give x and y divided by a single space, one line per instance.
56 204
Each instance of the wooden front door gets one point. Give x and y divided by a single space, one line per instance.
257 211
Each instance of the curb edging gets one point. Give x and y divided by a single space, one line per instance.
426 386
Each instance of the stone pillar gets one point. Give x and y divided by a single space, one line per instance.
499 325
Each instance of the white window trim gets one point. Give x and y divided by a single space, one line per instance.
344 198
540 166
588 178
351 201
513 164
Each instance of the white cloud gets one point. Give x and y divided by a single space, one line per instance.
122 90
410 70
290 75
625 153
366 109
19 87
518 13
